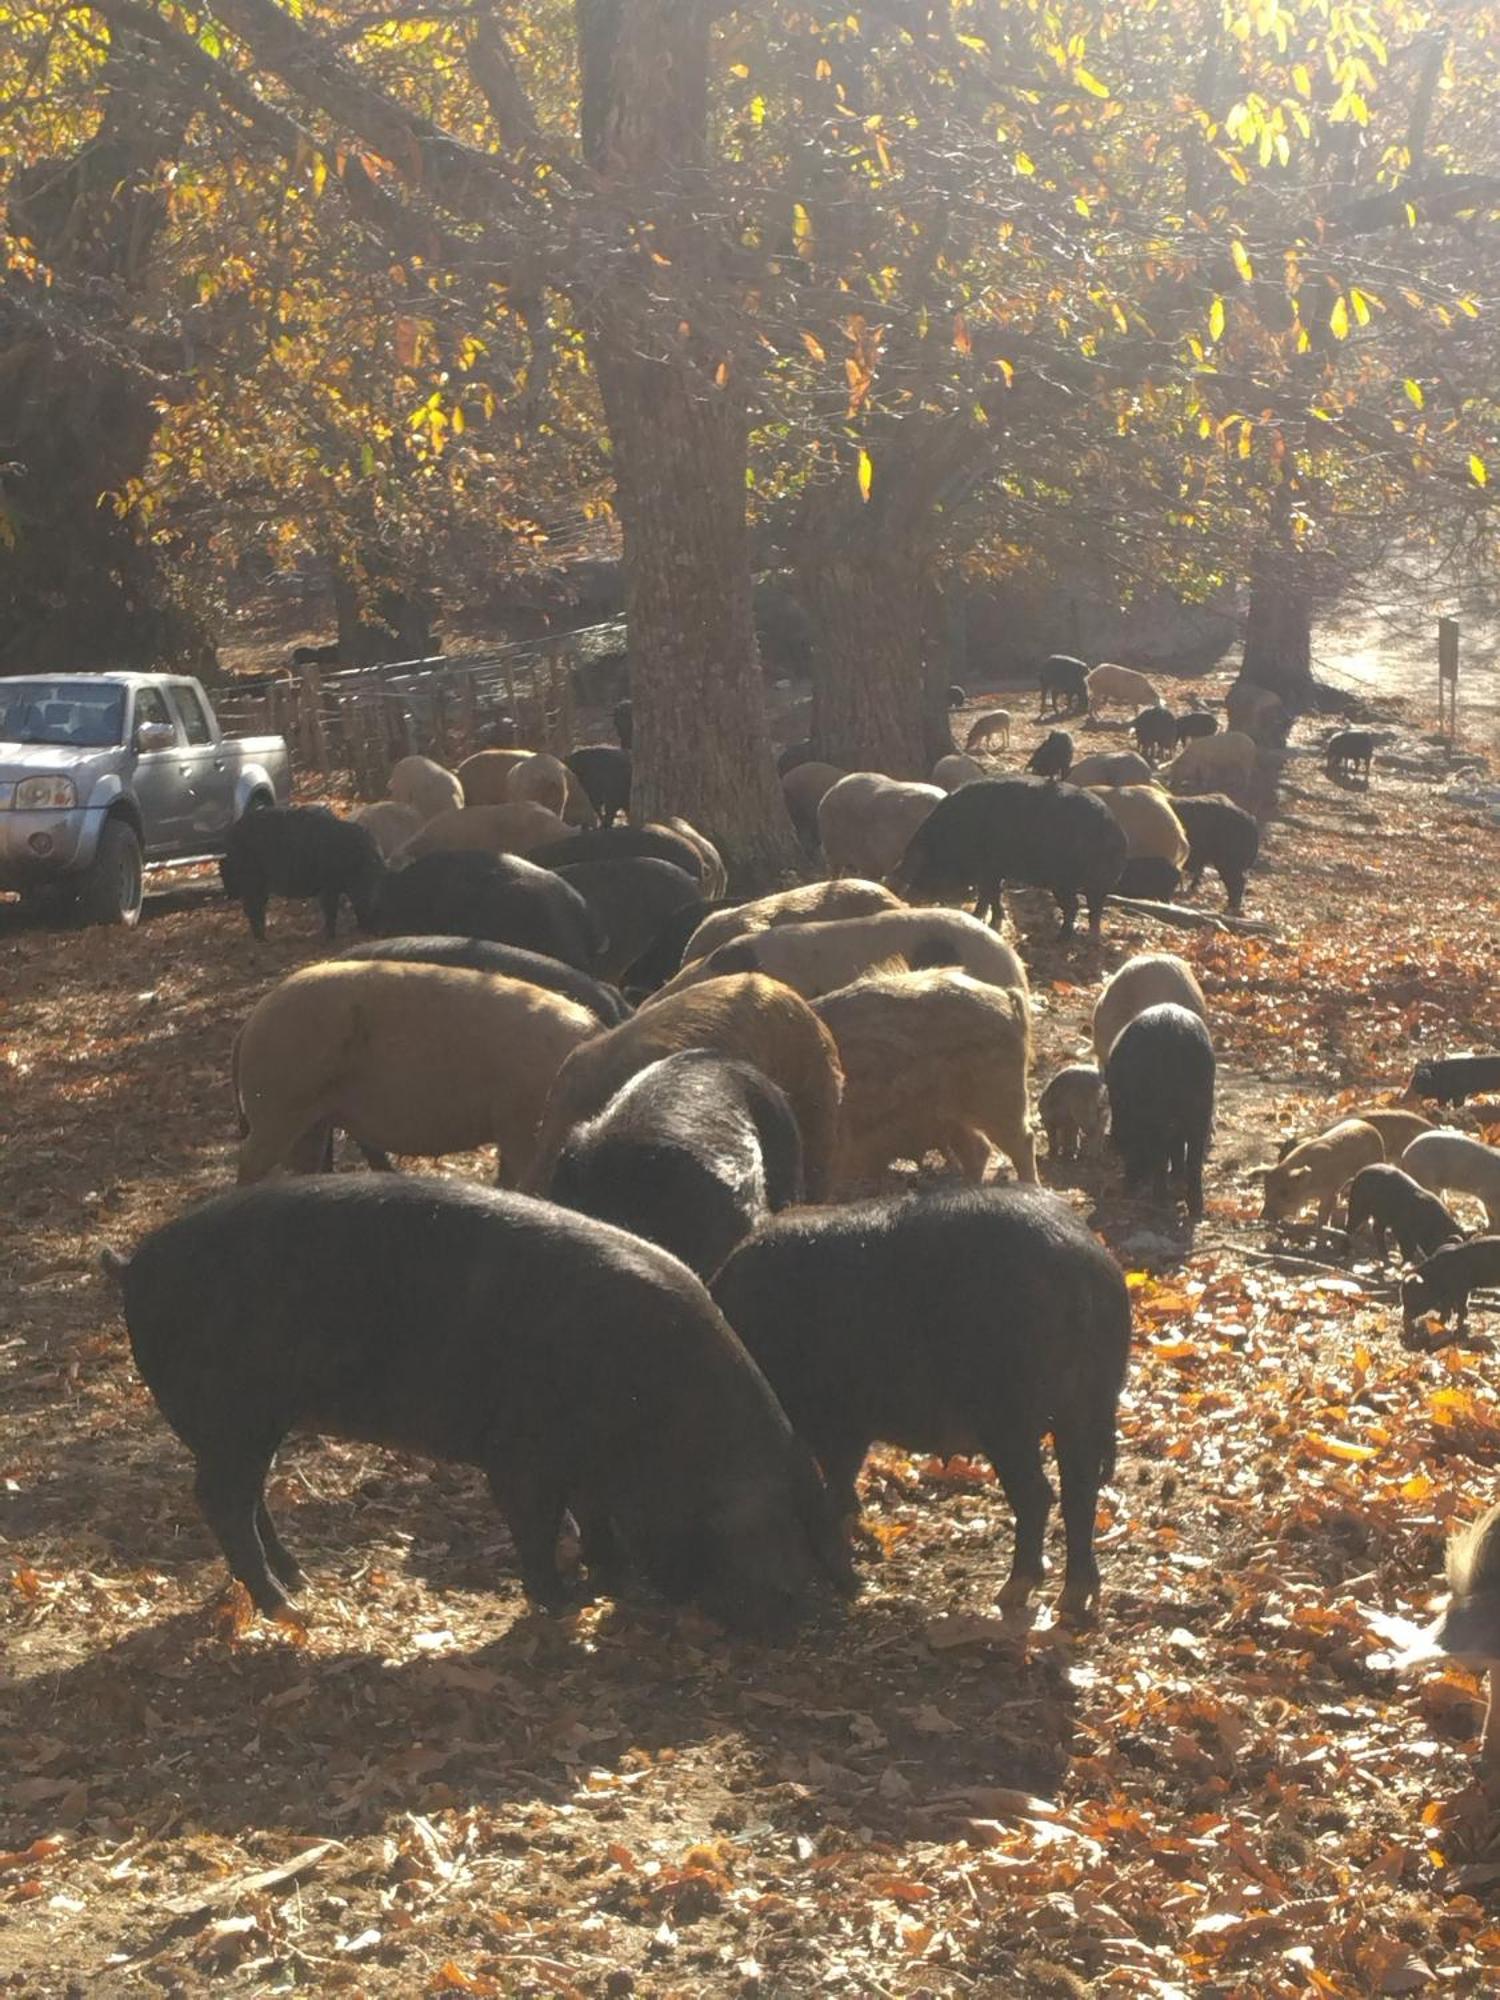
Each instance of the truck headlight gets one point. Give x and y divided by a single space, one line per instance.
34 794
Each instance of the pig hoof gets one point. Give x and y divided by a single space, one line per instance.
1077 1606
1016 1592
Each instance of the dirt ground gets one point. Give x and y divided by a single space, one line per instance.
1223 1789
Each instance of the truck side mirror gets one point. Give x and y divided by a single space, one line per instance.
155 736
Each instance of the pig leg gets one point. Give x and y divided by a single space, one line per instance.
1067 902
283 1564
599 1543
967 1151
1193 1175
1078 1469
228 1491
841 1459
532 1499
1017 1459
330 903
1010 1132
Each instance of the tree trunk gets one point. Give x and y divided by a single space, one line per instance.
679 435
864 604
1278 636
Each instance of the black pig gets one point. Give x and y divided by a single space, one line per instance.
691 1153
1062 678
619 843
1017 829
1454 1078
1221 836
972 1320
1195 723
1053 756
631 898
495 896
606 1003
1443 1284
578 1367
1155 732
1384 1199
603 770
1151 876
302 852
1160 1079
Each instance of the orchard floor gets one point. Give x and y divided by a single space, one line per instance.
1219 1790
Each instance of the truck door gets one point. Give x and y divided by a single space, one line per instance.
158 783
206 769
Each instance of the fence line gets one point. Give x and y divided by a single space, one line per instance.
363 719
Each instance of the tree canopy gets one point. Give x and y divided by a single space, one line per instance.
954 287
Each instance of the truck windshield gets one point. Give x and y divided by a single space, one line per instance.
85 714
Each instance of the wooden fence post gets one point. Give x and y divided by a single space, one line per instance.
310 722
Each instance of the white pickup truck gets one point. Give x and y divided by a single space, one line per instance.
105 775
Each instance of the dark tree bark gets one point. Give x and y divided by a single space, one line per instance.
862 591
679 435
864 572
79 585
1278 633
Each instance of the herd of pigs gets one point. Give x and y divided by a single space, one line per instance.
686 1312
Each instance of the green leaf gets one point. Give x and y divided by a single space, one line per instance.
865 472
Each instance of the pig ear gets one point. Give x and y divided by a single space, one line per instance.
1298 1173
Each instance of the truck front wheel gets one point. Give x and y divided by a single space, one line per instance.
112 889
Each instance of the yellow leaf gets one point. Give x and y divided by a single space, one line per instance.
740 70
1338 319
1091 83
1479 472
824 69
801 227
866 475
1301 79
1360 304
1414 392
1327 1447
1216 320
757 111
1241 258
1025 164
814 347
1245 436
961 342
